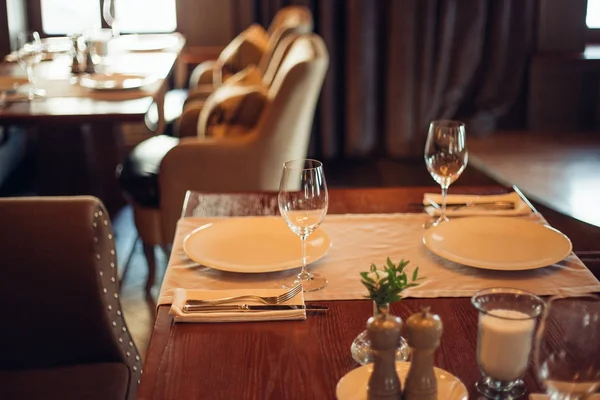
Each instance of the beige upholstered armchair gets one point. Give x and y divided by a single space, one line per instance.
235 103
64 335
270 125
252 48
238 55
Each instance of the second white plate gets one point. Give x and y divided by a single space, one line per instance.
508 244
252 245
115 81
353 385
147 42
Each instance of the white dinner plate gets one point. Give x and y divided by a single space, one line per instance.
115 81
148 42
508 244
353 385
252 245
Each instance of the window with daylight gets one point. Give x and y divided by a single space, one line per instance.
592 18
60 17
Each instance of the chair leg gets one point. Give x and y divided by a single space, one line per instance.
151 260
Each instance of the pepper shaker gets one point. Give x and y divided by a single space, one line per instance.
75 64
89 61
422 331
384 332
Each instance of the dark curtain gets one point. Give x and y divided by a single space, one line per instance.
395 65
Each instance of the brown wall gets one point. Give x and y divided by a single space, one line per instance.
206 22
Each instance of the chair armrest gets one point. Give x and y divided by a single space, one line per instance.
208 164
232 105
203 74
244 50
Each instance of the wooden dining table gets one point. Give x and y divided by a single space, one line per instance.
306 359
78 130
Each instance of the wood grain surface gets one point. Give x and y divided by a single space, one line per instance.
298 359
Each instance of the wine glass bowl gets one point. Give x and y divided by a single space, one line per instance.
446 156
567 347
303 202
29 53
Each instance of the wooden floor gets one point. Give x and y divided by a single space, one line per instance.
561 171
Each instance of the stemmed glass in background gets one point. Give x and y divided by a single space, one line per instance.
29 53
109 15
567 347
446 156
303 202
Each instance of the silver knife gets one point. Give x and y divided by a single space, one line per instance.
189 308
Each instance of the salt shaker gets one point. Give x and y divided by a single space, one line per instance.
422 331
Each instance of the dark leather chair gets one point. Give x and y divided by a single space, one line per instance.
63 336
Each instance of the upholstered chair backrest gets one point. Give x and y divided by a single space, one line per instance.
60 287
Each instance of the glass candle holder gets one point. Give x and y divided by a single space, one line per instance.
507 320
361 346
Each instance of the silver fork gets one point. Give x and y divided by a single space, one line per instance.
282 298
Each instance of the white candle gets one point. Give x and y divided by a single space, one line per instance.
504 343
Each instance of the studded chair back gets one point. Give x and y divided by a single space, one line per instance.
59 288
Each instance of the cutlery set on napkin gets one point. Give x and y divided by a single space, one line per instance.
208 306
509 204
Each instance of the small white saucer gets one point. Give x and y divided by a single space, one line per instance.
353 385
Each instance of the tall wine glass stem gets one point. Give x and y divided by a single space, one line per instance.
31 80
443 211
303 275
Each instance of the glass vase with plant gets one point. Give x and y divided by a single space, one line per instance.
385 286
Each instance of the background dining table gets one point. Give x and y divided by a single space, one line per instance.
79 138
306 359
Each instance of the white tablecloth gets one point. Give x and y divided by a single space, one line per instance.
361 239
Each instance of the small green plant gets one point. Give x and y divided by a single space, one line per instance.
386 285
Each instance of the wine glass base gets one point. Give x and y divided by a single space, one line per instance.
513 392
438 221
33 94
362 354
313 283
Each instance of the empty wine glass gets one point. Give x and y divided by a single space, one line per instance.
446 156
303 202
567 347
29 53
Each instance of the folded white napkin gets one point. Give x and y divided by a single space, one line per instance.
521 208
180 296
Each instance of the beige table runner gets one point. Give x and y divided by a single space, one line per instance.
361 239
